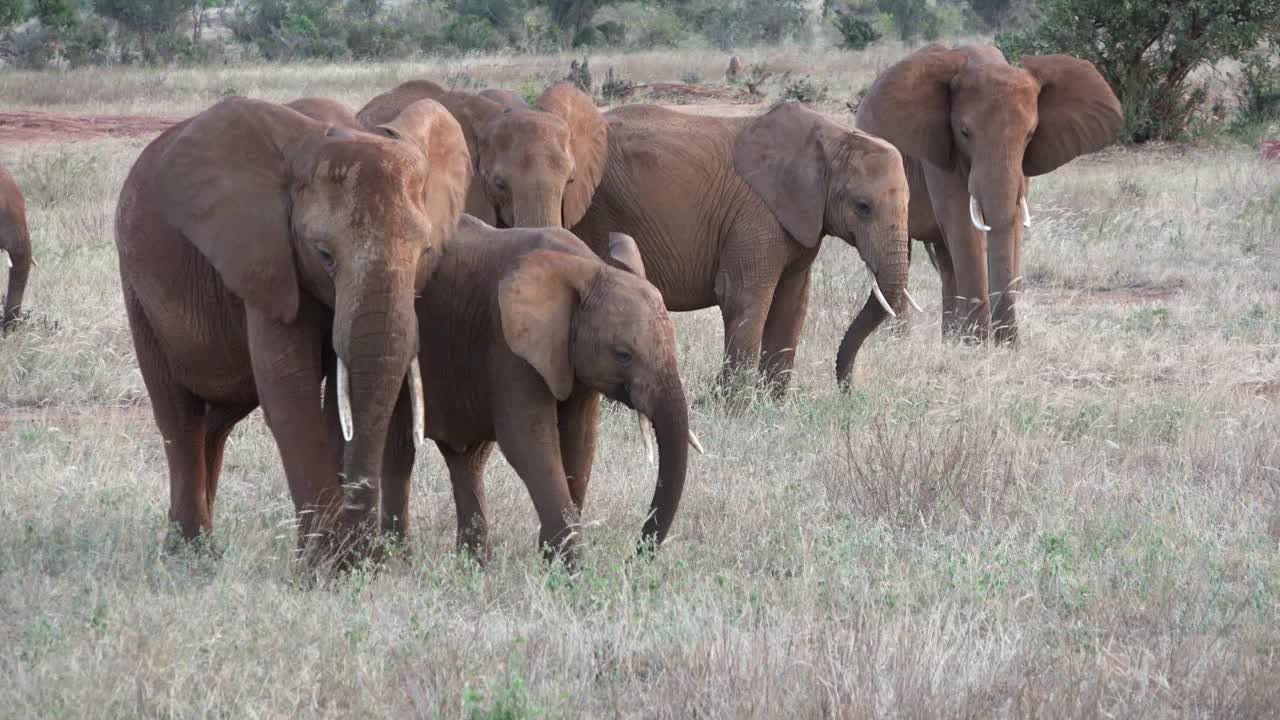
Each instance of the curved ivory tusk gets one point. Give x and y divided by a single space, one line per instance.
875 290
419 407
344 401
643 423
1026 213
912 300
693 440
8 261
975 215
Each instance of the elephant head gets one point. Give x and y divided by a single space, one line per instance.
575 319
819 179
284 206
534 167
968 111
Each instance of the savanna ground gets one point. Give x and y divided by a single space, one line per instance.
1086 526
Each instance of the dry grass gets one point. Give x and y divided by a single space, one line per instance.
1085 527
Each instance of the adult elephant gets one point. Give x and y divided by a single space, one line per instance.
534 167
528 328
973 129
251 239
15 247
730 212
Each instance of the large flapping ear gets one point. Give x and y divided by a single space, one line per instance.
588 141
624 253
1079 113
910 104
326 111
473 112
537 300
434 130
784 155
389 104
223 182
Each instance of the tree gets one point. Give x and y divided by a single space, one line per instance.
145 18
1148 49
12 12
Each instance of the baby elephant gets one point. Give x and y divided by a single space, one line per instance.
522 331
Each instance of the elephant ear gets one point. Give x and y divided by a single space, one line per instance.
624 253
223 182
537 301
910 104
389 104
474 113
1079 113
783 155
428 125
588 142
326 111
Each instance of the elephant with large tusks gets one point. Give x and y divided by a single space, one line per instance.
973 129
730 212
522 332
259 246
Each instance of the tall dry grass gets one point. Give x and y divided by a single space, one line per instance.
1083 527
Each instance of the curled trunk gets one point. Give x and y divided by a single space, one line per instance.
891 276
669 412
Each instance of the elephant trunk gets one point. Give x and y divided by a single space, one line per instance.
375 337
537 206
666 407
1001 195
19 255
890 268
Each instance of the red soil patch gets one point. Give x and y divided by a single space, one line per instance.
29 127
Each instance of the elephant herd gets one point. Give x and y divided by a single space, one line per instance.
267 251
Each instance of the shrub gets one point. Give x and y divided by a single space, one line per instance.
1257 92
804 89
1148 50
470 33
855 33
614 88
580 75
734 23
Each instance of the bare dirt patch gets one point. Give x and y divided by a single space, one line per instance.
30 127
1130 294
66 415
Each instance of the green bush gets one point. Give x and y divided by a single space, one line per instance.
1148 50
468 33
735 23
855 32
805 89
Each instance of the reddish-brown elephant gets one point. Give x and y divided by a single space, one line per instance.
252 241
972 130
523 330
730 212
534 166
15 248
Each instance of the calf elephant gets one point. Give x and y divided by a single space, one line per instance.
527 329
534 167
15 248
253 240
730 212
973 129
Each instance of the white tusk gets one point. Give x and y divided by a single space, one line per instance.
693 440
875 290
1026 213
8 261
344 401
419 407
644 435
975 215
912 300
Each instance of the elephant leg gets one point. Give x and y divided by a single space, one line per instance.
579 418
966 247
287 370
744 309
219 422
947 273
180 417
782 328
528 433
466 475
397 468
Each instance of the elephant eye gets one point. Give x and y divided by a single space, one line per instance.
499 184
622 356
862 207
964 133
326 258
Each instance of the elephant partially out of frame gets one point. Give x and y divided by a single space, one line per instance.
258 245
15 248
973 130
522 331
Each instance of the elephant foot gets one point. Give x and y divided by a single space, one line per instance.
198 545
